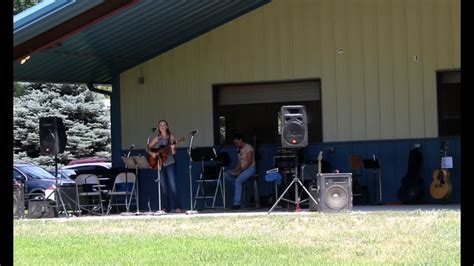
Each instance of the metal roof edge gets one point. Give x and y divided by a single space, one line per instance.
46 15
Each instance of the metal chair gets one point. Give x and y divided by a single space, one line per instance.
212 176
92 192
123 189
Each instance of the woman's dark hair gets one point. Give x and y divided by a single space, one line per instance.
238 136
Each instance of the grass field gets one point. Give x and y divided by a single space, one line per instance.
357 238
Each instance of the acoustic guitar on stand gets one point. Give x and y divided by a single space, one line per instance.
441 187
163 152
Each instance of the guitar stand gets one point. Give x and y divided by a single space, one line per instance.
295 181
57 190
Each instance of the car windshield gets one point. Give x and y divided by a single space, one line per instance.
36 172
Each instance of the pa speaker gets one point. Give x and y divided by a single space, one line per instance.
294 125
52 135
334 192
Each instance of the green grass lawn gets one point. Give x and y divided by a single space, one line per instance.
378 238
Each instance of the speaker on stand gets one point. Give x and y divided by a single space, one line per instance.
294 134
52 135
294 126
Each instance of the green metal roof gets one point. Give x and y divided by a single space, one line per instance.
132 34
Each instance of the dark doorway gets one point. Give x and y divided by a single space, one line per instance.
449 103
254 109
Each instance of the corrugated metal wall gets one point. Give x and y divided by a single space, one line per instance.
363 50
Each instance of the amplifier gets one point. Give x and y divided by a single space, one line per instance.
309 172
41 209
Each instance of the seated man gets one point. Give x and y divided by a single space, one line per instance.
244 169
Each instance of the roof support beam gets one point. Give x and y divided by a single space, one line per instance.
91 87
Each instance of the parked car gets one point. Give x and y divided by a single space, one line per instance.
36 180
90 160
64 174
103 170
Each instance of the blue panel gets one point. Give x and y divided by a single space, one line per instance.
358 148
402 150
393 156
431 162
387 160
339 159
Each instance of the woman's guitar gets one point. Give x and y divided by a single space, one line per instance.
441 187
164 152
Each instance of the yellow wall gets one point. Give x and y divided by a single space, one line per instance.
372 90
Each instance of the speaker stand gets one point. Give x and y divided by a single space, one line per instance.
297 182
57 190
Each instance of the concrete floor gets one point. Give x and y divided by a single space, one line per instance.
265 211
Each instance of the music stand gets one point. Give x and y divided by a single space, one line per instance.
203 154
374 165
139 162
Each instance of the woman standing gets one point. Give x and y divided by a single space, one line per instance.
166 143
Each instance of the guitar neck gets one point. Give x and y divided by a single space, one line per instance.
320 157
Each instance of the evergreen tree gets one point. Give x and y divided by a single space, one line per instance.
20 5
84 115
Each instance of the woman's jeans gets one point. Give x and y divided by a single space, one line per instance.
239 180
168 187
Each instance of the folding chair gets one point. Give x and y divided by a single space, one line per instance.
124 189
92 192
211 176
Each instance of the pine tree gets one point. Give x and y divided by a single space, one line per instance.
21 5
84 115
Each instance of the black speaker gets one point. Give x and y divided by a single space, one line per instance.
334 192
294 125
52 135
41 209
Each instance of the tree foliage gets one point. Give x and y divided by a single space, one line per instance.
84 115
20 5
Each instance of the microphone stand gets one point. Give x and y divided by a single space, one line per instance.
158 180
191 211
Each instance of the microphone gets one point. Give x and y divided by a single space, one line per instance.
194 132
130 150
